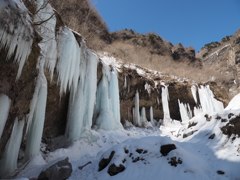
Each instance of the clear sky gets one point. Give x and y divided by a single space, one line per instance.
191 22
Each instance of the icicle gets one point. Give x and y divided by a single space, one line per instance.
114 97
165 99
69 59
125 82
8 163
194 93
143 117
185 111
16 32
147 87
37 114
208 103
136 118
5 103
105 119
151 115
81 105
47 30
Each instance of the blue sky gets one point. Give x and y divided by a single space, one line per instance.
191 22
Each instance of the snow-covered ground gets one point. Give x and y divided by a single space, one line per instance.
198 155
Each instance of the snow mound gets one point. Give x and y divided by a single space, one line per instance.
234 103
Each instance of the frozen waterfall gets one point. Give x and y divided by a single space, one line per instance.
16 32
81 104
165 99
208 103
5 103
136 114
107 102
37 117
185 111
8 163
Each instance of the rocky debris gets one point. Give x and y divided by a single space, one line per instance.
105 161
141 151
114 169
60 171
191 124
232 127
208 118
212 136
220 172
189 134
165 149
174 161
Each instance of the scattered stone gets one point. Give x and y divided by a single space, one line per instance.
60 171
165 149
175 161
220 172
189 134
139 151
145 151
130 155
113 169
191 124
212 136
223 120
126 150
136 159
208 118
230 115
232 127
104 162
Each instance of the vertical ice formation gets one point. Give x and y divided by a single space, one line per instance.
165 99
8 163
114 95
208 103
81 104
107 103
15 31
194 93
5 103
151 115
136 118
185 111
69 55
147 88
143 117
37 114
45 23
125 83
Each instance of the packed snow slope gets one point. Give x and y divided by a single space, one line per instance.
195 149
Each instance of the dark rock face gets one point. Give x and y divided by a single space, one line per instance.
233 127
114 170
181 53
60 171
104 162
165 149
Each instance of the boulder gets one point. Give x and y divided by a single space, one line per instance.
165 149
60 171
